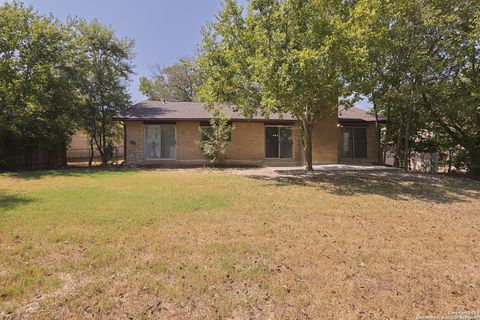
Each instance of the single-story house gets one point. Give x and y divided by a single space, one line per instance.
159 133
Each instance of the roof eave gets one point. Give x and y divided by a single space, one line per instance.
350 120
201 119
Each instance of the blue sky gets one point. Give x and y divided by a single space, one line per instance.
163 30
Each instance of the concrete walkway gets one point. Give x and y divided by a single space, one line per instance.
336 167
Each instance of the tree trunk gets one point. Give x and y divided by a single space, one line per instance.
378 136
398 151
406 151
100 149
307 144
90 156
387 135
450 155
104 159
475 153
104 144
103 140
474 167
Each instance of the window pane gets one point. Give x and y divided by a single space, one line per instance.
152 142
346 138
345 143
271 142
286 143
168 142
360 142
205 131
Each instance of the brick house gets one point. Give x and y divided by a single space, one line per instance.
159 133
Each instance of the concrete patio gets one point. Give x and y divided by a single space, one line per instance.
335 167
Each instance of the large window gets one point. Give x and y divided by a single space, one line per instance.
159 142
354 142
278 142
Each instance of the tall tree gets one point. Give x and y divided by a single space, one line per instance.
37 96
418 63
279 56
451 85
104 66
173 83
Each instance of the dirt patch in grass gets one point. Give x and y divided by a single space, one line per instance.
237 244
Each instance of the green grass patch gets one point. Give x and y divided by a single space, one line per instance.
206 244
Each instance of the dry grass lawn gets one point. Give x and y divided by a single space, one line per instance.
213 244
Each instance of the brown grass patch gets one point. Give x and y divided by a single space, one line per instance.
193 244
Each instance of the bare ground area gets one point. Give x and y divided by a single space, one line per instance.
237 244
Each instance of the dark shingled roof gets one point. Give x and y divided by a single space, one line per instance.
172 111
177 111
354 114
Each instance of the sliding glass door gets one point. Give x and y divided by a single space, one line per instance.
278 142
354 142
159 142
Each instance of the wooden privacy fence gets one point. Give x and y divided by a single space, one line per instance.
83 154
37 157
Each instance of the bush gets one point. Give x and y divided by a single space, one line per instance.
216 139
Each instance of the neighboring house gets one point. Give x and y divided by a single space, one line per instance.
79 148
165 133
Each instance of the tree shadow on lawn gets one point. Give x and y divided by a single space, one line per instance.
394 185
10 201
69 172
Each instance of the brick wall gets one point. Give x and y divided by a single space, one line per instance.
187 134
247 145
134 142
324 140
372 143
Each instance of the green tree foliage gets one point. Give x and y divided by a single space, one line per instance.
103 67
216 138
276 57
173 83
418 62
56 78
37 94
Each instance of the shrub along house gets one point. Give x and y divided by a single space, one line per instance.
159 133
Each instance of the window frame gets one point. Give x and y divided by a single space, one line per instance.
279 142
145 145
